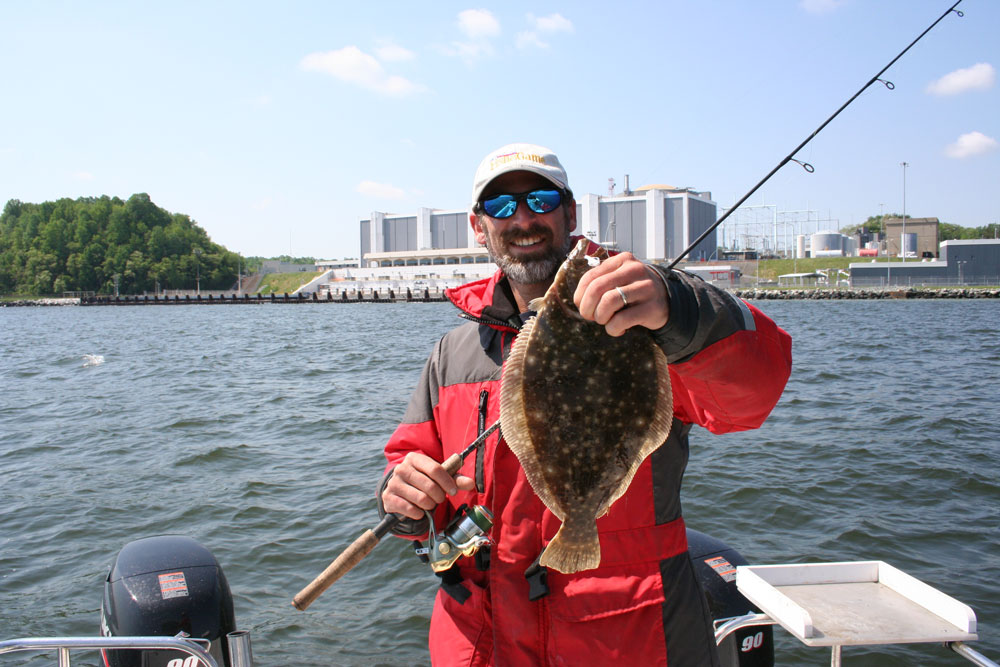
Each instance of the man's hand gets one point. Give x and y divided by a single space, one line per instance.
420 483
642 299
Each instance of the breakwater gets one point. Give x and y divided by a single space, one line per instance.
426 296
354 296
907 293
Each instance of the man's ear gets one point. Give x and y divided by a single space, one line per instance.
477 228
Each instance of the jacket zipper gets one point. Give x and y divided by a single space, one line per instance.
489 321
484 398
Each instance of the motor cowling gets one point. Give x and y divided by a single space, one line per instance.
715 566
163 586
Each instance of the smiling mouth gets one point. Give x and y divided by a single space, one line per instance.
527 241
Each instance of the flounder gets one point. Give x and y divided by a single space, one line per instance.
581 410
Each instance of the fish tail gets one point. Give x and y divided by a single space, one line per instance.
573 549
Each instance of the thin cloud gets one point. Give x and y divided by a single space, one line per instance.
553 23
380 190
393 53
980 76
467 51
971 144
477 26
530 39
821 6
477 23
352 65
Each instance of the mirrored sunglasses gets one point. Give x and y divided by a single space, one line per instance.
539 201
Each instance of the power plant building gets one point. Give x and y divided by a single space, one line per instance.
654 223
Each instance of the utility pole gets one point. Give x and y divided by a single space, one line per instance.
197 270
902 238
881 219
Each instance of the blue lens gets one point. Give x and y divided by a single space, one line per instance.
543 201
539 201
501 206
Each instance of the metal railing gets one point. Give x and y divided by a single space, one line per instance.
63 646
240 651
727 626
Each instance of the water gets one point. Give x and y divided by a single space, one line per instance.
258 430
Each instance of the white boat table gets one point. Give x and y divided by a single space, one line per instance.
856 604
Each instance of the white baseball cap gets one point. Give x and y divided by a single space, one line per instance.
518 157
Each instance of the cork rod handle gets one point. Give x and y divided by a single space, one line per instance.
363 546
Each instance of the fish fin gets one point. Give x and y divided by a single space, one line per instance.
601 253
568 555
663 417
580 249
536 304
514 420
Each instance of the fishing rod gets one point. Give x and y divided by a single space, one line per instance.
368 540
791 156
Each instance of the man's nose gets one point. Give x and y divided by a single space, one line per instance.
523 215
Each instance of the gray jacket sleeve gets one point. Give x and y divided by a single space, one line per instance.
700 314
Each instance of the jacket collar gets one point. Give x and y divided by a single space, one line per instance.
488 298
492 298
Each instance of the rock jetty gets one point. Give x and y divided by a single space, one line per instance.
886 293
40 302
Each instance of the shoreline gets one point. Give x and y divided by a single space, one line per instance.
864 293
438 296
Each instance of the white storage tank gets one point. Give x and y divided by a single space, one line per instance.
909 243
828 253
827 244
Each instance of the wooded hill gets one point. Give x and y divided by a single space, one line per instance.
80 245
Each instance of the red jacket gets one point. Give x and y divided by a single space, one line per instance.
643 605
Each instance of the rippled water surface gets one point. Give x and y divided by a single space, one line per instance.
258 430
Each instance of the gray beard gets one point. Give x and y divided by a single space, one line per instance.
534 271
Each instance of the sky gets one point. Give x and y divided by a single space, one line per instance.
279 126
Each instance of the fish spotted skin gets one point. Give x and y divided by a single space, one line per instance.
581 410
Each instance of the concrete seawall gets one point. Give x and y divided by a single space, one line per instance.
354 296
907 293
428 295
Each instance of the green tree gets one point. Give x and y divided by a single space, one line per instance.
82 244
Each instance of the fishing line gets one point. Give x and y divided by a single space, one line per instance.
791 156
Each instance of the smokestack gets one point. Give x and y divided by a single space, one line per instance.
628 190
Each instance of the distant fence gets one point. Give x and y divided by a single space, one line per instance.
916 281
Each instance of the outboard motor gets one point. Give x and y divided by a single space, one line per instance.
715 566
162 586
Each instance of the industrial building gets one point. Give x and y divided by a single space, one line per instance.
961 262
916 237
655 223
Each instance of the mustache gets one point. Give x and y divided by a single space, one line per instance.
518 234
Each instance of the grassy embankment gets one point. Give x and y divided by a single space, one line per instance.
279 283
770 269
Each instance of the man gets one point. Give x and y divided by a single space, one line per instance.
643 605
